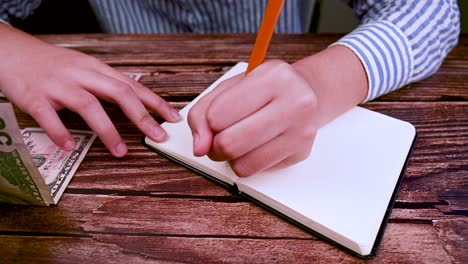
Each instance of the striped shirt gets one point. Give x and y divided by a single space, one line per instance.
398 42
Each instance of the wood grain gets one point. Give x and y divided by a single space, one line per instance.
144 208
438 174
172 51
405 243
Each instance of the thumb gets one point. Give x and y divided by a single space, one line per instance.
202 138
197 118
201 132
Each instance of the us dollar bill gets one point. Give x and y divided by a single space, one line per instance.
20 180
36 171
33 170
56 165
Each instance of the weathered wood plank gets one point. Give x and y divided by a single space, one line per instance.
403 243
71 250
437 175
454 234
177 50
144 208
201 49
421 246
66 218
138 214
80 214
176 82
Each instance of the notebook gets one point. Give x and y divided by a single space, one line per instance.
343 192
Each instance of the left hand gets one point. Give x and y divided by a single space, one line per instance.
264 120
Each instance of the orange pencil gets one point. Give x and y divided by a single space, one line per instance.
265 33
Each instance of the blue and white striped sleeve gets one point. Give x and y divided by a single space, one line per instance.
400 42
17 9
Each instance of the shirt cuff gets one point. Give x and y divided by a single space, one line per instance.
4 22
386 54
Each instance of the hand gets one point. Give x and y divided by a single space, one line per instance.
260 121
269 118
41 79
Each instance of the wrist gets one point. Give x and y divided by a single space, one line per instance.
338 79
3 22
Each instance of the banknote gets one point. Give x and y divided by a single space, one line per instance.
33 170
56 165
20 180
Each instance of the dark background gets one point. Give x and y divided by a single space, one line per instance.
60 17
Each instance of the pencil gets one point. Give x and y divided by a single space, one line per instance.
265 33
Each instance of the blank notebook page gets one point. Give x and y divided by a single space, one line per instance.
342 190
180 142
344 187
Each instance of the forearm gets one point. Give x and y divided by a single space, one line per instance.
15 47
338 79
11 36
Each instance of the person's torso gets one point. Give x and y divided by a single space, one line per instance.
197 16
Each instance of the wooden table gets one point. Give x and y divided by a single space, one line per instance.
144 208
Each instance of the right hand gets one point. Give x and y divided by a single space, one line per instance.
264 120
41 79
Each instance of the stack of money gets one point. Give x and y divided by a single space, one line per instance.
33 170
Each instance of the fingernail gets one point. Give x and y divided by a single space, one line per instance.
69 145
175 115
121 149
159 134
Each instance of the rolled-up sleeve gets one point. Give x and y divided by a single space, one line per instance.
400 42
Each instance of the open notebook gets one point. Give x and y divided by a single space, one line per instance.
343 191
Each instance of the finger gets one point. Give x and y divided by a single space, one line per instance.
148 97
48 119
197 120
268 155
291 160
249 95
89 108
119 92
251 132
157 104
